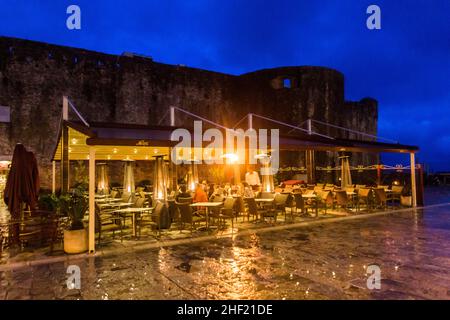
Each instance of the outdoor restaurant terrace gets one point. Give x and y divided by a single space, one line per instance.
170 207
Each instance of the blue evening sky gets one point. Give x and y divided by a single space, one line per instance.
405 65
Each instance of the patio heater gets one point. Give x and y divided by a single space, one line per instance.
102 178
232 159
128 177
266 173
346 177
192 176
160 179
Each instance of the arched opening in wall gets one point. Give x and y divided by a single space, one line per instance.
287 83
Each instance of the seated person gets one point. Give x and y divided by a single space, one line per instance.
248 191
200 194
183 193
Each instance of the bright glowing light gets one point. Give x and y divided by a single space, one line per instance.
135 151
74 141
115 150
262 156
232 157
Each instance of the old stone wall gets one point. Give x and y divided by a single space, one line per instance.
109 88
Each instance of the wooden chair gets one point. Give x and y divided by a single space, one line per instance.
139 203
380 198
396 194
364 197
126 197
342 200
325 199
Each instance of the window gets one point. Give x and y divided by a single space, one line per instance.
5 114
287 83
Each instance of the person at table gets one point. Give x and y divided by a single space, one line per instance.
183 193
247 191
200 194
252 178
212 188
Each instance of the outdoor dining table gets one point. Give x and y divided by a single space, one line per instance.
133 212
147 193
108 200
264 199
207 205
115 205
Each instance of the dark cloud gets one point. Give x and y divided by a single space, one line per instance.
405 66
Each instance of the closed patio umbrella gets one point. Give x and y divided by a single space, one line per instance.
22 185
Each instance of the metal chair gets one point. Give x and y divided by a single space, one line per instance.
187 216
227 211
252 208
107 223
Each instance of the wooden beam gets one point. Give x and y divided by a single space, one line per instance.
64 167
53 177
413 180
311 166
91 200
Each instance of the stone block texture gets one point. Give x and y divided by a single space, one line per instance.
116 88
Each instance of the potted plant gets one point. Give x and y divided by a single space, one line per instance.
76 236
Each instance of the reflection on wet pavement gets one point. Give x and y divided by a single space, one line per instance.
318 262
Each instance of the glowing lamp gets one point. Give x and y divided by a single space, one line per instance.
160 178
128 177
102 178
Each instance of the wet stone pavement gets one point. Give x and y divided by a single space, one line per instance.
326 261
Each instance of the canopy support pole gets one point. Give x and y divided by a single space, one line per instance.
310 166
173 167
53 177
91 200
413 180
172 116
65 148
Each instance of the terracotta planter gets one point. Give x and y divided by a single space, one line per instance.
75 241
